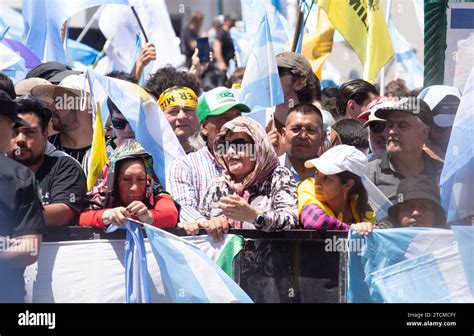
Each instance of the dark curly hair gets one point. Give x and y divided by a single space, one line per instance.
168 77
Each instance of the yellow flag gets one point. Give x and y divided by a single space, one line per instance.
317 46
98 157
363 26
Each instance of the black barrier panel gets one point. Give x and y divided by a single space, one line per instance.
296 266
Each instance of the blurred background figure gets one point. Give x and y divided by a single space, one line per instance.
189 36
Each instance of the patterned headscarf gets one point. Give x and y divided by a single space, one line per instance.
107 194
266 158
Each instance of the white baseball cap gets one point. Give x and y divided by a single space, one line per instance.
443 101
338 159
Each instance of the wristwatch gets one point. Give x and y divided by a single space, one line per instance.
259 221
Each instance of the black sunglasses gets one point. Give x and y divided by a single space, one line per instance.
377 126
235 142
119 123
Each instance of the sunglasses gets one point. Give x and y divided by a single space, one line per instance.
235 142
377 127
119 123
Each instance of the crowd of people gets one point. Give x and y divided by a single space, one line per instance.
304 170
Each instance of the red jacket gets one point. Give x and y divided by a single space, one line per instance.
165 214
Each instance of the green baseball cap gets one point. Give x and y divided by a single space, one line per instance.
218 101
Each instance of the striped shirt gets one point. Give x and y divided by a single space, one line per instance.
188 180
313 217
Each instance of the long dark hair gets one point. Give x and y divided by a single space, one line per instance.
357 189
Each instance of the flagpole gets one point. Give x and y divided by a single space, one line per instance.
139 23
89 24
298 28
382 72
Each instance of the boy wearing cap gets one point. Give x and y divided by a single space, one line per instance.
190 176
21 213
418 205
406 131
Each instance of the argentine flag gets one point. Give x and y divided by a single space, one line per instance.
261 86
408 67
412 265
148 122
44 20
188 274
457 177
12 64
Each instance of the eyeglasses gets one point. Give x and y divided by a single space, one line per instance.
377 126
119 123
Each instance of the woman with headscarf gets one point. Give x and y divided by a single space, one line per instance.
130 190
254 190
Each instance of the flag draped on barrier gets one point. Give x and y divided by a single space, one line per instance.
412 265
188 274
363 26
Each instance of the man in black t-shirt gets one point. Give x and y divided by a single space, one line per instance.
21 214
61 180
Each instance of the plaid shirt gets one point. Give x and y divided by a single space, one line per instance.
188 180
313 217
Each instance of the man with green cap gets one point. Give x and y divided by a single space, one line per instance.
190 176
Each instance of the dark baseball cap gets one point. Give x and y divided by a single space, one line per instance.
53 72
8 109
419 187
415 106
298 64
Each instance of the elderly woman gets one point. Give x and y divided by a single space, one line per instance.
336 198
130 190
254 192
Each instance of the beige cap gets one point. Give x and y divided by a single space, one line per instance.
24 87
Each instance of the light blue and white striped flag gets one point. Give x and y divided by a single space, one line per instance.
189 275
145 117
407 65
137 283
377 200
12 64
457 177
412 265
44 20
261 86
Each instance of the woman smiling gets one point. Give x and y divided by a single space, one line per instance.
254 191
